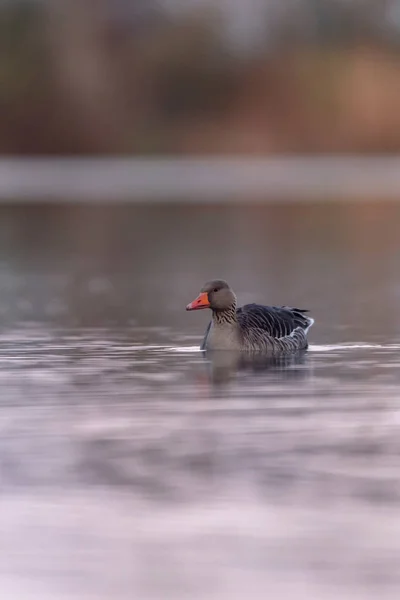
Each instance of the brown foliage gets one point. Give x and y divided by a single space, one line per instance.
71 82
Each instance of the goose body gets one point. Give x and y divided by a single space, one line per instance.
254 328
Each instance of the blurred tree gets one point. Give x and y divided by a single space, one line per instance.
24 76
134 76
85 73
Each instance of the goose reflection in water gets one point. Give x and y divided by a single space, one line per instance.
224 366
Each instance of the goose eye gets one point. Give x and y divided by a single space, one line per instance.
215 290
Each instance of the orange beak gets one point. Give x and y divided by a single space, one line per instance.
200 302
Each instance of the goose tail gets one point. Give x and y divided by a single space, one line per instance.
301 319
309 325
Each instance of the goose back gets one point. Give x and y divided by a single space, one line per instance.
270 329
275 321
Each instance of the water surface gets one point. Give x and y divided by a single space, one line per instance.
133 467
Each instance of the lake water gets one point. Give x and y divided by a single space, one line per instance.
133 467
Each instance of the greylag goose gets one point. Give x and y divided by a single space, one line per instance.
269 330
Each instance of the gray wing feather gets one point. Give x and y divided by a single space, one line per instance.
276 322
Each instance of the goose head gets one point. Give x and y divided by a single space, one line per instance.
216 295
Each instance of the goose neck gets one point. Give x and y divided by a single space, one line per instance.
223 317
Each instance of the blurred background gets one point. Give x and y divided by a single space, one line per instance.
193 77
147 146
176 122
